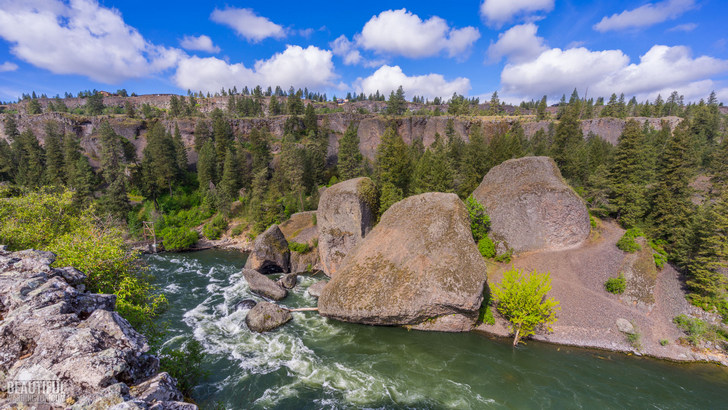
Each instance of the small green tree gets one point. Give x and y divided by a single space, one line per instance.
521 299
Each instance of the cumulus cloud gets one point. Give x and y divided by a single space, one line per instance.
518 44
661 68
80 37
8 66
248 24
399 32
387 79
498 12
296 66
645 16
346 49
201 43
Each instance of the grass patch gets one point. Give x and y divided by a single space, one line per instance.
299 247
698 332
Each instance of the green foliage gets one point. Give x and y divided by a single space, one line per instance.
178 238
592 222
698 331
351 161
485 314
635 340
214 229
664 342
390 195
616 285
299 247
522 300
486 247
479 219
185 365
504 257
628 241
238 229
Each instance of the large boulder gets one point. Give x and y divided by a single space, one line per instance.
270 252
263 285
305 262
266 316
346 213
419 267
531 207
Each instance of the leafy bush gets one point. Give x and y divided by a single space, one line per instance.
592 222
660 255
616 285
664 342
627 242
521 299
504 257
486 247
479 219
179 238
299 247
635 340
238 229
214 229
698 331
485 314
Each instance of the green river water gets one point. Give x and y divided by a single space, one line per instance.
313 363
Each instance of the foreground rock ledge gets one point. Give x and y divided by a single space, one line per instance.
346 214
531 207
50 329
418 267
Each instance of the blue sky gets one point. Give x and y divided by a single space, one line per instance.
521 48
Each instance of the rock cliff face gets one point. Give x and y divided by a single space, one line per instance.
346 213
51 330
531 207
419 267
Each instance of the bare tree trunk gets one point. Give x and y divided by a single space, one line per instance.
515 337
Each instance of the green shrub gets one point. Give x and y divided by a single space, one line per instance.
664 342
185 365
177 239
504 257
521 299
485 314
479 219
660 255
214 229
616 285
486 247
314 219
592 222
635 340
627 242
698 331
299 247
238 229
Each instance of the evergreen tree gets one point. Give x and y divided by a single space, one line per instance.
310 121
6 161
433 172
71 154
292 168
315 150
229 185
397 103
95 104
389 195
350 163
294 103
475 162
222 133
393 165
114 200
180 152
54 169
672 209
704 270
259 149
34 107
11 128
206 166
175 108
29 157
541 113
129 109
628 175
566 145
202 134
159 162
82 179
274 107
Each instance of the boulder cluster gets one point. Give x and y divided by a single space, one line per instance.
51 329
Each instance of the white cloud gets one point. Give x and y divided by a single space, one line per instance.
201 43
387 79
299 67
498 12
645 16
247 24
346 49
80 37
8 66
399 32
518 44
687 27
661 68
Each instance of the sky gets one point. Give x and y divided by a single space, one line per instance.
523 49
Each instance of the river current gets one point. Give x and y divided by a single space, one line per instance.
314 363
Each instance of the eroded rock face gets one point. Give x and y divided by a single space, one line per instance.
316 289
270 252
419 266
288 281
50 329
346 213
531 207
263 285
266 316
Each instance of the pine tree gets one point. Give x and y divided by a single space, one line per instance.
222 133
11 128
95 104
175 109
29 157
705 278
475 162
566 146
229 185
628 175
310 121
393 165
274 107
54 168
671 208
159 163
433 172
541 113
129 109
206 166
350 163
114 200
259 149
397 103
292 168
34 107
6 161
82 179
180 152
202 134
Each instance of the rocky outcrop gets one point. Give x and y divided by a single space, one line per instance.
419 267
316 289
531 207
263 285
270 252
266 316
302 228
288 281
51 330
346 213
306 262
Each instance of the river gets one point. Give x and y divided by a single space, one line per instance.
313 362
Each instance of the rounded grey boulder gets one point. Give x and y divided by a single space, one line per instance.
346 213
263 285
531 207
266 316
419 267
270 252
